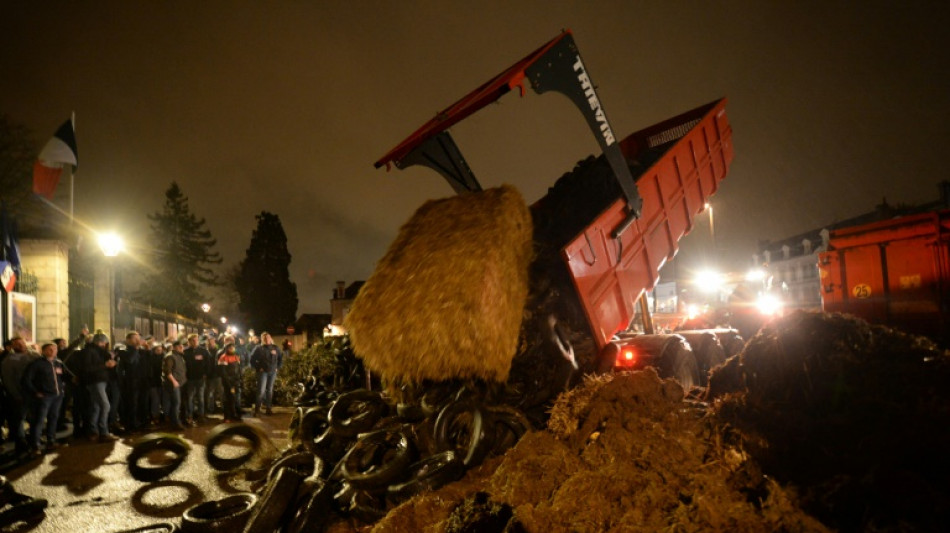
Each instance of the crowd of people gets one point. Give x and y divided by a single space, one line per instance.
143 384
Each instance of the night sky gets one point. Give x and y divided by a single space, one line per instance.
285 106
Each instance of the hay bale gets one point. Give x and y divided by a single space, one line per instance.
446 299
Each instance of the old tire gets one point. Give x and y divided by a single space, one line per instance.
428 474
369 407
153 442
462 427
304 463
275 503
228 514
508 425
377 459
315 511
159 527
223 432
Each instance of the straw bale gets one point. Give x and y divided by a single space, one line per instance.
446 299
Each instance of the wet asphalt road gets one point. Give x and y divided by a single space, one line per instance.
90 490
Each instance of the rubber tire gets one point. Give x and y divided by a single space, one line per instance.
153 442
351 425
315 512
22 511
377 475
680 365
312 465
222 432
512 421
274 505
428 474
367 508
313 422
228 514
479 444
167 527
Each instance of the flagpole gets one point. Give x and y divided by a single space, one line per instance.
72 169
71 188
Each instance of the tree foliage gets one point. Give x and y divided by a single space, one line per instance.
181 255
267 296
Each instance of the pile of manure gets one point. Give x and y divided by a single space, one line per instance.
856 417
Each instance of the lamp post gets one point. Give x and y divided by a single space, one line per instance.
205 309
111 245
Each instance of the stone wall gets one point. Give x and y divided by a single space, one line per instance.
49 261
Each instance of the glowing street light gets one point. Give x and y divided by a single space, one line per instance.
111 244
205 307
224 320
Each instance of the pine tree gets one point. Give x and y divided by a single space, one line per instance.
182 253
267 296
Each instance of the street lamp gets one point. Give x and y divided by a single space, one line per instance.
111 245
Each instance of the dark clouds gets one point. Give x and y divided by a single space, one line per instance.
284 107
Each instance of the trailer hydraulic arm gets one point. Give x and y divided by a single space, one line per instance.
557 66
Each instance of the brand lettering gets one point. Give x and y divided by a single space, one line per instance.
593 101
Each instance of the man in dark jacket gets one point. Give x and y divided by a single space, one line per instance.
133 378
43 386
63 353
266 360
97 361
199 364
12 369
174 377
152 411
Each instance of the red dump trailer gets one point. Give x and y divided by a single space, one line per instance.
894 272
664 175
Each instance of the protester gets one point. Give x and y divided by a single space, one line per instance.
213 389
174 377
43 389
266 360
11 369
63 352
97 361
229 368
133 381
199 363
152 411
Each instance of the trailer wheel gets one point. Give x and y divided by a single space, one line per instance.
680 365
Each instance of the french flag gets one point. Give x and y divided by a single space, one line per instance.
58 152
